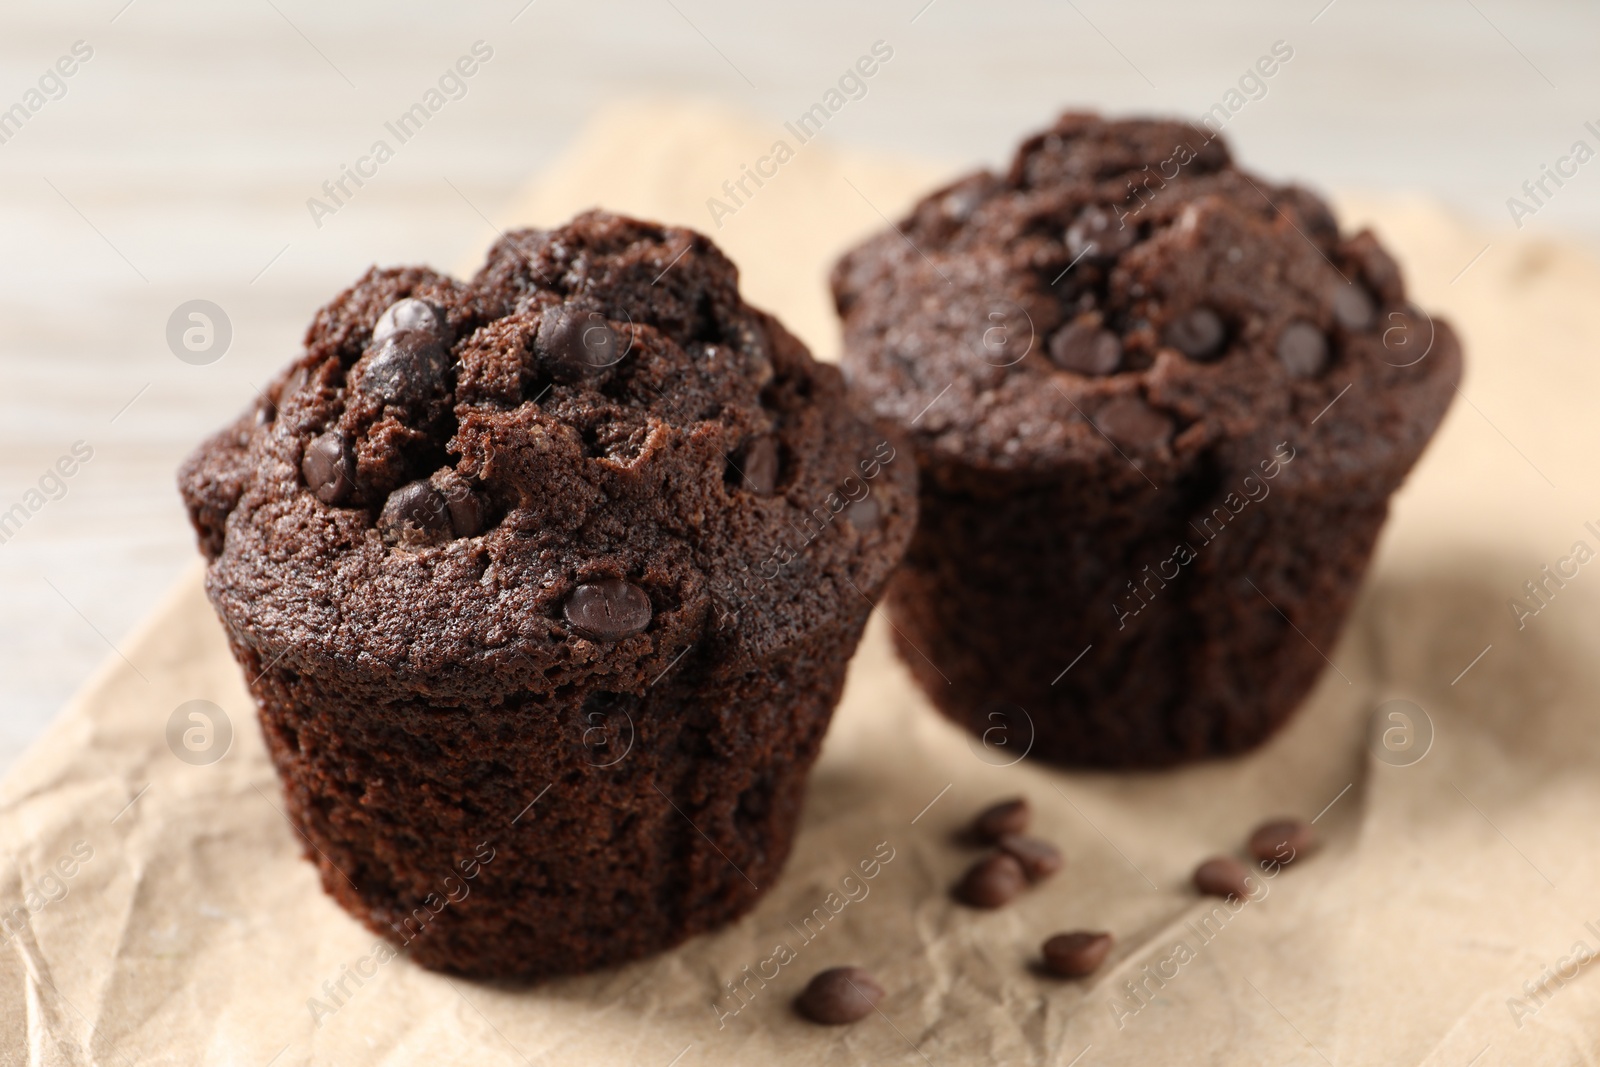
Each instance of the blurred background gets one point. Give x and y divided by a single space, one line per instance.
176 160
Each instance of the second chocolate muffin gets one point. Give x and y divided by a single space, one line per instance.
1159 406
545 584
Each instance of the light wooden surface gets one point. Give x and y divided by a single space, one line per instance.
179 160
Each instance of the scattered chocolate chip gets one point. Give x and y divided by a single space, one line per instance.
608 609
1223 876
1039 859
1302 349
1085 348
992 881
1131 423
411 316
1076 954
1001 818
839 995
575 344
1198 333
757 468
863 514
1310 212
417 507
466 513
1352 307
329 467
403 368
1099 235
1282 841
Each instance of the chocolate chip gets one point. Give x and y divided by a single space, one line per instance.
757 468
863 514
608 609
1085 348
1198 333
1282 841
1223 876
417 507
1001 818
751 339
466 513
1352 307
575 344
411 316
1381 272
992 881
1131 423
1302 349
839 995
329 467
1039 859
1076 954
1099 235
1310 212
403 368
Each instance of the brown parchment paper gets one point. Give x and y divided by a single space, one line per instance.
158 912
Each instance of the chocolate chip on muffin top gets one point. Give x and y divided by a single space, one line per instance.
1167 293
573 457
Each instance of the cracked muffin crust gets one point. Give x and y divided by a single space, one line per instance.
586 522
1099 356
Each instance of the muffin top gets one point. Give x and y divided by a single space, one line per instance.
586 460
1125 298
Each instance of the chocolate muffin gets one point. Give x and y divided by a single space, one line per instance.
545 584
1159 405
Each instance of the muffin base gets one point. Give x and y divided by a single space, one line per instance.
530 840
999 596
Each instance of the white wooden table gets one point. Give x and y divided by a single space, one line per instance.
175 163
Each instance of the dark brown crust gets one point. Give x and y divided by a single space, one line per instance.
417 695
1046 493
